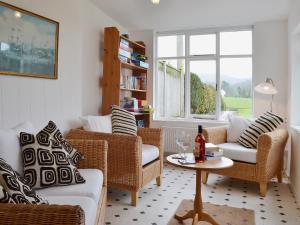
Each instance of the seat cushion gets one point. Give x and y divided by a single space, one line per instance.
149 153
237 152
87 204
91 188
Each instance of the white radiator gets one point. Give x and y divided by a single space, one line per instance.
170 137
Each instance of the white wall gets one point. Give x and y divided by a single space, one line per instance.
270 59
76 91
92 33
294 94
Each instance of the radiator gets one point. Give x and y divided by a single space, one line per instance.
170 138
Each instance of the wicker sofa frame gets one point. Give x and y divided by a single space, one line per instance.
95 153
269 158
125 168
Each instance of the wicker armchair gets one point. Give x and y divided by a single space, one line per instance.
125 168
95 153
269 157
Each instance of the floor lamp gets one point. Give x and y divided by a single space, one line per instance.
267 88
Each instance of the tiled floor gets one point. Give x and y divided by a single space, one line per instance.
157 204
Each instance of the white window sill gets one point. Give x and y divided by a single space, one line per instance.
191 120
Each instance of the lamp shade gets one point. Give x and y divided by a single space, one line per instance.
155 2
266 88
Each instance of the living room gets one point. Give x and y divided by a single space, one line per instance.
71 73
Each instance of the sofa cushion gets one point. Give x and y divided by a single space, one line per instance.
4 196
149 153
87 204
91 188
16 186
100 124
265 123
53 132
236 127
237 152
123 122
46 164
10 149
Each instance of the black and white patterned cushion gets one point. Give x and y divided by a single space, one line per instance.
265 123
16 188
53 132
46 163
4 196
123 122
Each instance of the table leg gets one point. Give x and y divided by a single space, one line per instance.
197 213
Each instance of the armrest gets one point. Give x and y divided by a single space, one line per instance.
20 214
215 135
270 152
95 155
152 136
124 155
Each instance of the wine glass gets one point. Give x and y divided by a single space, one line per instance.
186 144
179 141
183 141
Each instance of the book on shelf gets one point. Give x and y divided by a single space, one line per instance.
137 82
125 47
125 42
140 63
140 123
124 53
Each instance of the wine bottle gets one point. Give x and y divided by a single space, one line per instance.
199 150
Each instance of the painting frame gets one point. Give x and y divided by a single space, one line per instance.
53 76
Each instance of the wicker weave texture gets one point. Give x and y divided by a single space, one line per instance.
95 153
270 155
125 155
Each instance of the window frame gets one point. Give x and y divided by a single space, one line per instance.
188 58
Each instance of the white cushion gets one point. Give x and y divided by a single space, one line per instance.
237 125
10 149
91 188
87 204
97 123
237 152
149 153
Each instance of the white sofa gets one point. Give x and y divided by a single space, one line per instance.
90 196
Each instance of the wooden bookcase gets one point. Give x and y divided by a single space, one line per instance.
113 68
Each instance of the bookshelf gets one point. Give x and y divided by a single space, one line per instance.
123 79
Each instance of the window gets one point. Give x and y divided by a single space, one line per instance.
203 74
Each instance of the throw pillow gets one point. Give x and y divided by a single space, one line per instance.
4 196
51 131
10 149
237 125
123 122
97 123
265 123
46 163
16 188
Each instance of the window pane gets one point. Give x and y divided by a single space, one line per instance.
203 44
171 46
236 43
203 87
170 88
236 86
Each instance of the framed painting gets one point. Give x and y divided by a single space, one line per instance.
28 43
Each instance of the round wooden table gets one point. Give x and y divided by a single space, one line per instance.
197 213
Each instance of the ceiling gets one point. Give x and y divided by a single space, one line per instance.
179 14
